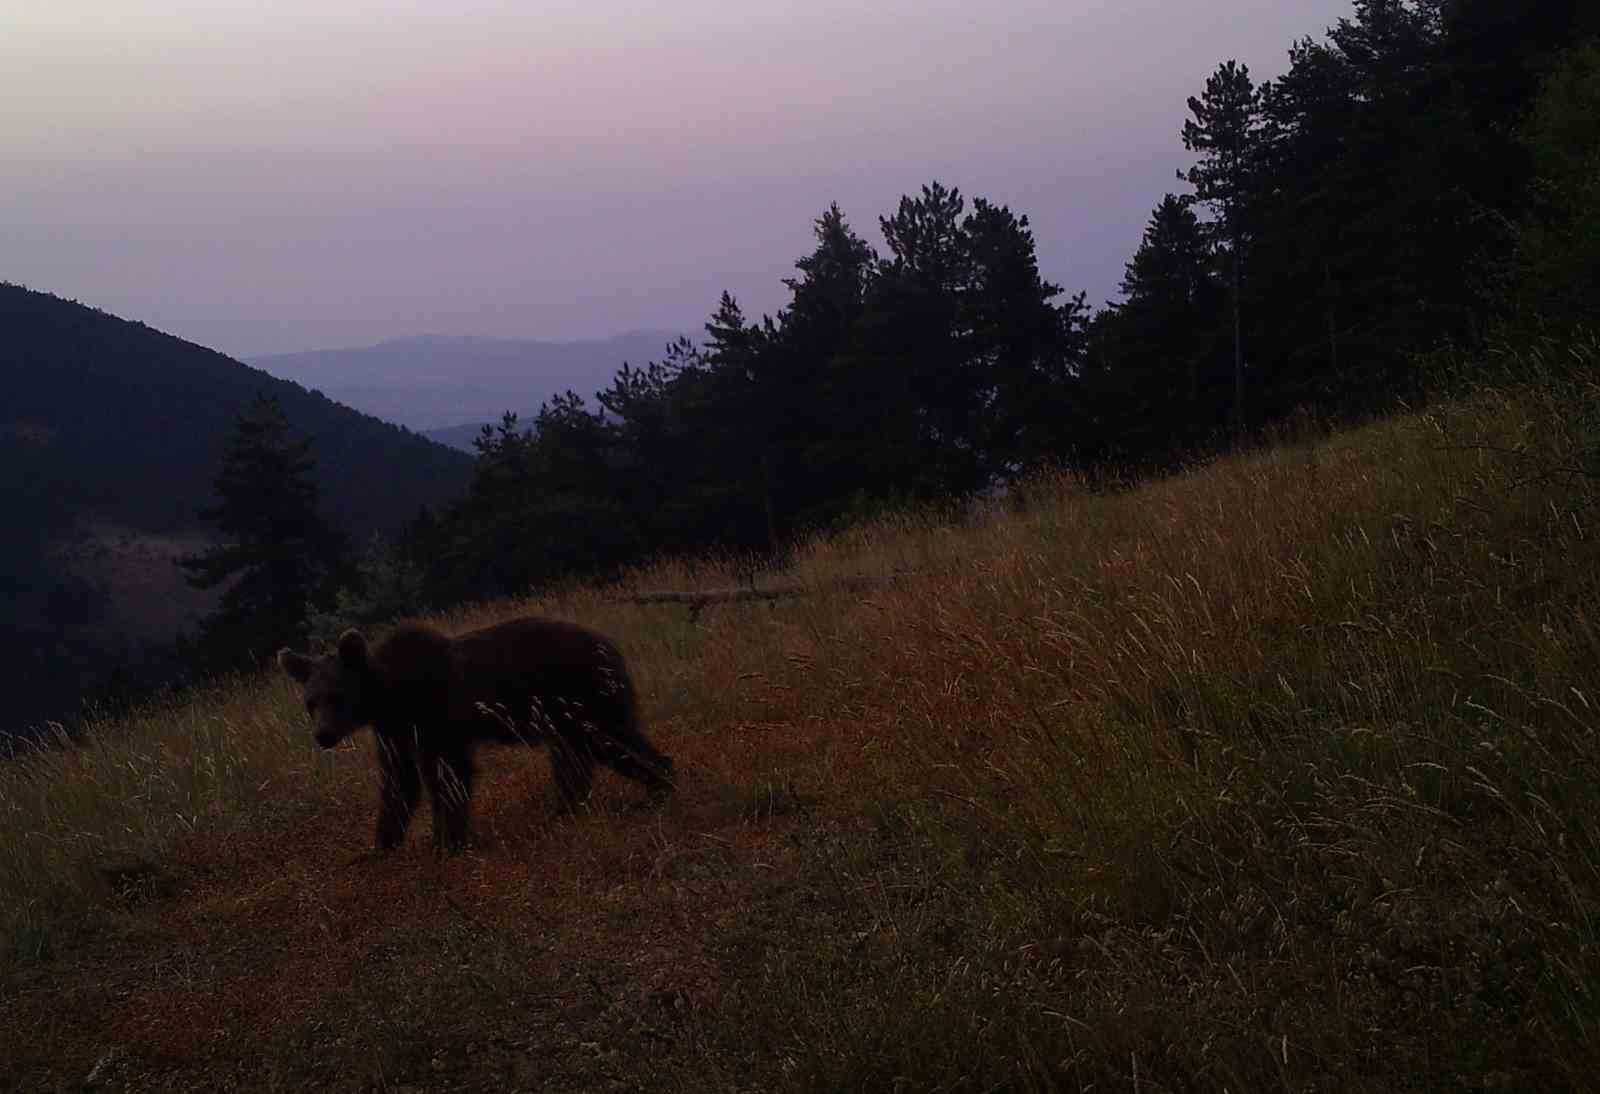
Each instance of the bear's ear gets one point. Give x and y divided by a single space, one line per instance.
352 649
296 666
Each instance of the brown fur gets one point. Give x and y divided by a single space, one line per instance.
432 700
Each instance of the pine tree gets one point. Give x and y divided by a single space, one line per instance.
1157 381
1023 351
1303 258
1226 132
974 363
276 550
1558 274
927 445
807 390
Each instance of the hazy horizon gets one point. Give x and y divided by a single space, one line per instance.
302 177
510 340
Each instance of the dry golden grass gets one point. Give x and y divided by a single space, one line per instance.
1279 774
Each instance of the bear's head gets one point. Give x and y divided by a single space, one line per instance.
339 688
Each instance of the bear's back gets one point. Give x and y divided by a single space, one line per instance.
515 646
413 656
535 664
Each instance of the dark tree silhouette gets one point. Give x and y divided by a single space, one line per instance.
969 359
276 549
1025 350
1159 378
1226 132
807 398
1558 275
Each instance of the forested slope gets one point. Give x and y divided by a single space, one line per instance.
112 430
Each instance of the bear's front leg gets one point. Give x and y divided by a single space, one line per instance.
399 789
448 774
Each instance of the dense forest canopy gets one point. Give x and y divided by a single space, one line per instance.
1421 178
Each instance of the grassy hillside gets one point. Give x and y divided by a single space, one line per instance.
1280 774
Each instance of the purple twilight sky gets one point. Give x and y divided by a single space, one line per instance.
266 177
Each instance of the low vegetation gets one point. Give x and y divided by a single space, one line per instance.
1282 773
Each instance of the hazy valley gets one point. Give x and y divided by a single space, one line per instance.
447 388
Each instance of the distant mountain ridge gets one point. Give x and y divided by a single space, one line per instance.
449 385
461 437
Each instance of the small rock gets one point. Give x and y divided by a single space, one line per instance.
104 1067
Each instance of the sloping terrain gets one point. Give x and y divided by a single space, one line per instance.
1279 774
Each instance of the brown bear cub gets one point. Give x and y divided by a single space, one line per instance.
431 700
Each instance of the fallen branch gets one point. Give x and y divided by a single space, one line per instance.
698 599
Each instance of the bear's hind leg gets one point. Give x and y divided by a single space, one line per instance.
572 764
